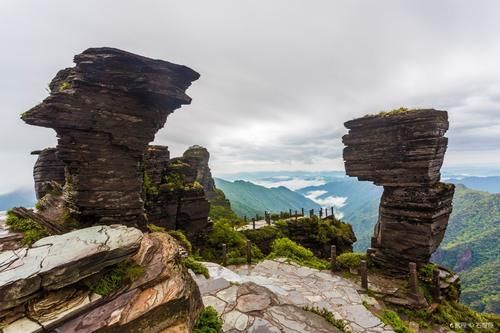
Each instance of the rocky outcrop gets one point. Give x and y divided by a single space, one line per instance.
174 198
48 265
48 168
403 151
198 157
105 111
53 295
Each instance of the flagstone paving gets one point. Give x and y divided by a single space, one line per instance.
270 296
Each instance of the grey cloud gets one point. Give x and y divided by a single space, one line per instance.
278 79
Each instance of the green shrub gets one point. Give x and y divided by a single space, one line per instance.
196 266
449 313
154 228
350 260
65 85
31 230
284 247
181 238
329 317
114 278
425 272
173 182
208 321
392 318
263 237
148 186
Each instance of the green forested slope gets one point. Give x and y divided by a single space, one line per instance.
248 199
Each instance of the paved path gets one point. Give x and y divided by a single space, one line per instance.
269 297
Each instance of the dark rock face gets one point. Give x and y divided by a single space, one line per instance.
174 198
47 168
198 157
403 151
105 111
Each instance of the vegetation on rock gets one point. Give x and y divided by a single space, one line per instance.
350 260
196 266
31 230
392 318
284 247
263 237
329 317
114 278
208 321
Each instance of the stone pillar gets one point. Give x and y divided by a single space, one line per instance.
333 257
363 271
413 279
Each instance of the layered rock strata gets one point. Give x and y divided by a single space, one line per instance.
174 198
403 151
105 111
198 157
48 168
47 291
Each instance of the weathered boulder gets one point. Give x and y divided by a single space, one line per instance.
48 168
163 297
58 261
105 111
403 150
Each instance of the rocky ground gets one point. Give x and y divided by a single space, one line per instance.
270 296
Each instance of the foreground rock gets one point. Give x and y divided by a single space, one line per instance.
270 298
105 111
403 151
163 297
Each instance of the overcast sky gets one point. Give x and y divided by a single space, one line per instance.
278 78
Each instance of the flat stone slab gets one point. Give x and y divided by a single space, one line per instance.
272 295
57 261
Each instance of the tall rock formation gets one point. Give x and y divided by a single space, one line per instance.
174 199
198 157
105 111
403 151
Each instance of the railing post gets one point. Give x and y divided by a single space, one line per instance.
413 282
290 212
249 252
253 223
333 257
363 271
224 254
302 211
331 208
436 290
296 215
245 219
320 213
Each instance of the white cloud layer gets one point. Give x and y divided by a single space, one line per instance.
278 79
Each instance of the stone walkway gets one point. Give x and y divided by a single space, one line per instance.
269 297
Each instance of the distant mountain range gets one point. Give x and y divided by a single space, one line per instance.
24 197
249 199
489 184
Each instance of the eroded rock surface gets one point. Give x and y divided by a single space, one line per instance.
163 297
48 168
174 198
58 261
403 151
105 111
